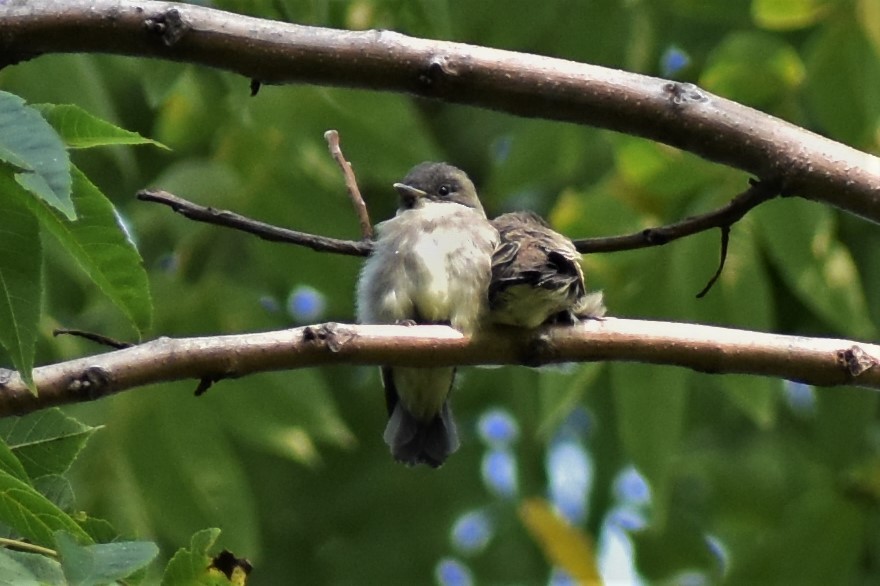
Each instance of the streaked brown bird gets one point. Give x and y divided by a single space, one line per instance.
430 265
537 275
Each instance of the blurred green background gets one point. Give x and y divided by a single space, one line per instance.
682 477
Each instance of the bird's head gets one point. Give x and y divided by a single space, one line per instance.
437 182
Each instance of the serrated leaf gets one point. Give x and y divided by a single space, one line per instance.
30 143
100 246
31 514
17 568
46 442
563 545
651 402
80 129
190 567
103 563
21 278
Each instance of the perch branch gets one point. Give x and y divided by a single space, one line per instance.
261 229
816 361
357 200
726 216
677 114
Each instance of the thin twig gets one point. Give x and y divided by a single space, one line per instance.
261 229
93 337
25 546
756 194
360 208
725 241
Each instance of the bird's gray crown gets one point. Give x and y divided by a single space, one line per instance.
439 182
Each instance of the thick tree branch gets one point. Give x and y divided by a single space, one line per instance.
680 115
815 361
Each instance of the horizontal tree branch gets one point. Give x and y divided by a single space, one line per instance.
263 230
817 361
677 114
723 217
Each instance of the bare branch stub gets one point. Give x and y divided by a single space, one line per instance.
263 230
354 193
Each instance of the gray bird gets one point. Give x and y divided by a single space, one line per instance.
537 275
430 265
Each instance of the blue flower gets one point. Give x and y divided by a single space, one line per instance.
631 487
570 477
498 428
451 572
499 472
472 531
673 60
801 398
305 304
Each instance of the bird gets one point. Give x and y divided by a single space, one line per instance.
537 276
430 264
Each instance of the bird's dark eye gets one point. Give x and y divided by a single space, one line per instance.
444 190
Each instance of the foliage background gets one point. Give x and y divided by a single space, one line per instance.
750 478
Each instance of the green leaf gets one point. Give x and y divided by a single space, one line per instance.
93 565
800 239
560 391
789 14
30 143
651 402
46 442
20 568
843 83
57 489
100 530
188 470
754 68
756 396
10 464
189 567
31 514
80 129
102 249
21 278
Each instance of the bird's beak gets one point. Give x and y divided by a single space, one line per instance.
408 193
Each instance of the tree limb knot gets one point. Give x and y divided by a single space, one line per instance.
92 383
681 94
169 25
856 361
326 335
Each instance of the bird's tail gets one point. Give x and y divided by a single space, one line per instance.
414 440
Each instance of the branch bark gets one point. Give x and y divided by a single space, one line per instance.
681 115
816 361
